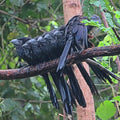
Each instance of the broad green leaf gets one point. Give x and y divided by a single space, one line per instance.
114 57
117 14
106 110
114 81
48 28
96 3
105 58
12 64
28 106
3 67
116 98
109 19
12 35
107 3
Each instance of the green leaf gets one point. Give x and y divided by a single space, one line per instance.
107 39
12 35
105 58
106 110
22 27
18 114
107 3
12 64
54 24
28 106
96 3
3 67
114 57
117 14
17 2
48 28
41 6
116 98
8 105
114 81
109 19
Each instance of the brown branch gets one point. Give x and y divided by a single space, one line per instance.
26 21
105 89
104 18
15 17
33 101
116 33
2 2
52 65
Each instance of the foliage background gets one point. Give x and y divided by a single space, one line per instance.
28 98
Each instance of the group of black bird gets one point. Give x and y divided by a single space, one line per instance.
57 43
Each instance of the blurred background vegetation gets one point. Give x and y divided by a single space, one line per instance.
28 98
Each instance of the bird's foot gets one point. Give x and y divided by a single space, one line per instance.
20 69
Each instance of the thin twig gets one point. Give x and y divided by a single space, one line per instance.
58 7
116 33
105 89
15 17
103 17
116 103
2 2
113 4
33 101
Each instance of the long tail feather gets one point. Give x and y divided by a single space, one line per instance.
64 55
62 86
87 78
102 72
75 87
51 91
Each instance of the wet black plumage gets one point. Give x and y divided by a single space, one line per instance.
76 37
61 42
75 86
51 91
26 55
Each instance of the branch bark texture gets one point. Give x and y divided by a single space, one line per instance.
52 65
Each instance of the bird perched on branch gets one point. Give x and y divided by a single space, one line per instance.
26 55
34 48
59 43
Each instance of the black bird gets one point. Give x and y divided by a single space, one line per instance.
34 46
61 42
31 52
26 55
76 34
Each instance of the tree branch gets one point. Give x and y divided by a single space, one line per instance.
33 101
15 17
2 2
52 65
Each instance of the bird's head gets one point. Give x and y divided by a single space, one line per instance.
16 42
96 18
20 41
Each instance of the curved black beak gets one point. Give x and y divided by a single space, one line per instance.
15 41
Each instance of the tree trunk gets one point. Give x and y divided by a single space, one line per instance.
72 8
